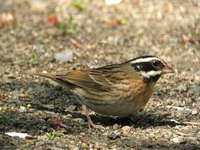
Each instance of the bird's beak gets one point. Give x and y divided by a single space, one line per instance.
167 69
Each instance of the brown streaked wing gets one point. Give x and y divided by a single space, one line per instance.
83 80
107 75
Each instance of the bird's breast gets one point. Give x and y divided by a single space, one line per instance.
123 104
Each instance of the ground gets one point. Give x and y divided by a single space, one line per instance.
63 35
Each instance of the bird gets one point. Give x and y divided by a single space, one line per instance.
114 90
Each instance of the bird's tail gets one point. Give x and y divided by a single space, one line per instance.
46 75
53 77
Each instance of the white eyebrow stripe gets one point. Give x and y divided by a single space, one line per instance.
140 60
150 73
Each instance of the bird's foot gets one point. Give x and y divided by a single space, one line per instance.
91 125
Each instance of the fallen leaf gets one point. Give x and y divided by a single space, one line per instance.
59 124
52 20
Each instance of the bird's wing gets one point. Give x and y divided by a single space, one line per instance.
101 85
106 83
108 75
82 79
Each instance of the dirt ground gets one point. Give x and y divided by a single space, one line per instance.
35 34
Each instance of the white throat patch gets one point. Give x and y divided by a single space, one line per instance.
150 73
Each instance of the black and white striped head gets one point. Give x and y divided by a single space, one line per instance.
150 67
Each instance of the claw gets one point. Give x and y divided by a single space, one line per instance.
91 125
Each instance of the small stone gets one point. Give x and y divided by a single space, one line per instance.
71 108
83 133
112 2
195 91
84 145
115 126
52 31
177 140
182 88
132 142
194 112
29 105
38 5
2 70
75 148
79 120
69 115
105 134
65 56
114 135
22 109
126 130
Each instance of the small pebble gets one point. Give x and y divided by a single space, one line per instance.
84 145
69 115
195 91
194 112
71 108
126 130
79 120
22 109
112 2
177 140
182 88
114 135
115 126
29 105
38 5
65 56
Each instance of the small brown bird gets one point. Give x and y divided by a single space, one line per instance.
115 90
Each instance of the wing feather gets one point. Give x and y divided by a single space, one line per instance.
99 84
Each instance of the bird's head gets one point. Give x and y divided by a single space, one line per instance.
150 67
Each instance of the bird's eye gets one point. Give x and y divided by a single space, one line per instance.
138 67
157 64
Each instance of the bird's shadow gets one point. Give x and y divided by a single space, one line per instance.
141 121
48 93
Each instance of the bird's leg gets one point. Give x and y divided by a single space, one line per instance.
90 122
138 116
